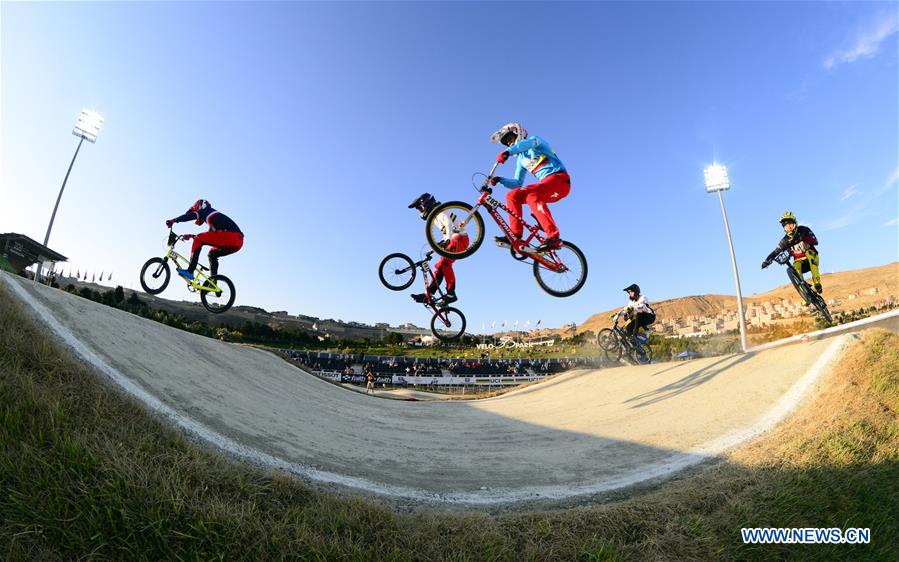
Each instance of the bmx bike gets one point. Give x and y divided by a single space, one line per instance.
809 295
397 272
216 291
615 343
560 272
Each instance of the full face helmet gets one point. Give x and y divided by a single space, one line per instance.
633 287
199 207
509 134
787 217
425 203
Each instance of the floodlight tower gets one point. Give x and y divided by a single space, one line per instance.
716 181
87 128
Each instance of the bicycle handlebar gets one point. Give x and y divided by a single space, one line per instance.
783 258
485 186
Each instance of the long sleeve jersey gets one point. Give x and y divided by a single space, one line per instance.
215 219
535 156
802 240
640 305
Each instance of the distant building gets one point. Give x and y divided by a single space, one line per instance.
21 252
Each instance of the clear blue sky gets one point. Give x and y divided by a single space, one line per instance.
314 125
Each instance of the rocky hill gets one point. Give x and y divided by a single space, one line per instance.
850 288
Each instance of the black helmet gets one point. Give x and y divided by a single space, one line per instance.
424 203
632 287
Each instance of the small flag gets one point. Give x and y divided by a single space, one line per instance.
483 326
101 277
527 323
94 278
493 325
109 278
78 274
503 325
516 323
538 323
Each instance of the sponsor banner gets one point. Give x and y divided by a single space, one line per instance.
356 379
332 376
402 379
507 342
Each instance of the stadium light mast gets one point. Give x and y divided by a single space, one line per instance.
87 128
716 181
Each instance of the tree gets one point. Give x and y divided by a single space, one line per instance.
119 294
393 338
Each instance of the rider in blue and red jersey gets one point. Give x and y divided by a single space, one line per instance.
535 156
223 235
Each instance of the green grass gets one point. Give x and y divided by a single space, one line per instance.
5 265
85 473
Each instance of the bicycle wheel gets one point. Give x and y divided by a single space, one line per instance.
448 324
460 219
800 285
822 308
571 276
221 300
647 355
155 276
608 341
397 271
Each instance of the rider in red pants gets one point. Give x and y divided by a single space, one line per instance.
534 155
456 243
223 235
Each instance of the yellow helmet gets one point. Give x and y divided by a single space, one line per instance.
788 217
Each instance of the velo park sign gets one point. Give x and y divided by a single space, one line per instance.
507 342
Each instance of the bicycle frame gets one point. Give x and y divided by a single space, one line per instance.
491 204
428 277
623 336
182 263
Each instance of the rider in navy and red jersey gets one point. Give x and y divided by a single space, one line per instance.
455 240
534 156
223 235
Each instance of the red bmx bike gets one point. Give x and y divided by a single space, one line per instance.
560 272
397 272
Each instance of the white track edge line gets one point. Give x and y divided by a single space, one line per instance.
664 468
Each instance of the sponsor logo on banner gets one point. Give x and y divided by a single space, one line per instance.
506 342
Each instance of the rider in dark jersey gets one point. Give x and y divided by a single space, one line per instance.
801 241
223 235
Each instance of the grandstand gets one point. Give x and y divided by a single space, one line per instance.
399 370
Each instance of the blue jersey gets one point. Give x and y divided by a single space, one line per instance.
535 156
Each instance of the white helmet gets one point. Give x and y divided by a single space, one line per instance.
516 128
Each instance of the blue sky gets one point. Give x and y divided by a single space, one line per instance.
313 125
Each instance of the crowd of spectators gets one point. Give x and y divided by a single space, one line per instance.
380 365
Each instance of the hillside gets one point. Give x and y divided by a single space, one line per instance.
837 286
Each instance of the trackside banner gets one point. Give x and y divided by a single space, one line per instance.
402 379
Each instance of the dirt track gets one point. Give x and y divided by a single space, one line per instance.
582 433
